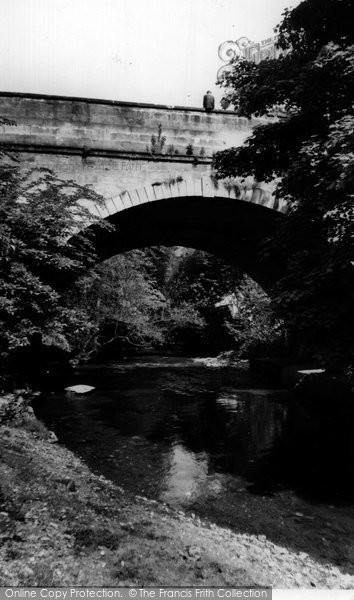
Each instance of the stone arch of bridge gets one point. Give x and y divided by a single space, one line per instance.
196 187
196 214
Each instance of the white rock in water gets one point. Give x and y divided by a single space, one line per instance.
80 389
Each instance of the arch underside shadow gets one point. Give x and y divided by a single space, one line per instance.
231 229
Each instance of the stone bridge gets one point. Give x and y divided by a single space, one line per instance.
153 166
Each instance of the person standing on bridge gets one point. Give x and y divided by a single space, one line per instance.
208 101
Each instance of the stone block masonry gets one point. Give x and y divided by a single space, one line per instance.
107 144
109 126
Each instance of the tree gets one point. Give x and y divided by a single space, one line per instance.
39 213
308 145
201 280
169 297
254 326
125 298
122 302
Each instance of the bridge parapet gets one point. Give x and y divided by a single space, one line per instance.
85 125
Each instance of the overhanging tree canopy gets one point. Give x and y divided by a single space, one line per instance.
38 215
308 144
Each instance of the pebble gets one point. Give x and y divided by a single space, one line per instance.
194 552
71 487
52 438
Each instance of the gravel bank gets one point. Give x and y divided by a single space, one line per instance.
62 525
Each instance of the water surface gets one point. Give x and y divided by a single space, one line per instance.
171 429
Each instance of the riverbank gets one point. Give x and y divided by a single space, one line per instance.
63 525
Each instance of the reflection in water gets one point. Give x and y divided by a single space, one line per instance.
231 402
171 429
184 473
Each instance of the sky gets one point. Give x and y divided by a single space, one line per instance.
153 51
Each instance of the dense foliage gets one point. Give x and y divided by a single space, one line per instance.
203 280
171 298
124 301
254 328
308 145
38 215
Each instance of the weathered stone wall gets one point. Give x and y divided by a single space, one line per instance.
106 144
112 176
117 126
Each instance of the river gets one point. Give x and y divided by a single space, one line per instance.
174 430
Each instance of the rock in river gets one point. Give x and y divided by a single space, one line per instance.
80 389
